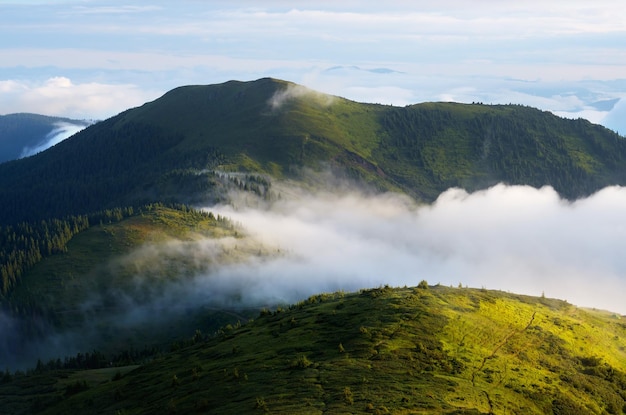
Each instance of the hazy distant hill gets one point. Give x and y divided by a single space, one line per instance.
24 134
157 151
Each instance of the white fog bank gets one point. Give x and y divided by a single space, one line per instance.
61 131
511 238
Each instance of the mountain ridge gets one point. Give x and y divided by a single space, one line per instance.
276 128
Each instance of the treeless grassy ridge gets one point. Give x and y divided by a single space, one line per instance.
387 350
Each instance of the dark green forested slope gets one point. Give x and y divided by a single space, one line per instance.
423 350
163 150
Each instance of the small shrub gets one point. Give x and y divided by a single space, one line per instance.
302 362
423 285
260 404
195 373
347 395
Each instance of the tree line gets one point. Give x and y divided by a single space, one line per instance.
112 163
26 243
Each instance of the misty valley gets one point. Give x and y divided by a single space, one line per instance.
258 247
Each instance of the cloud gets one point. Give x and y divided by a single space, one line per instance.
59 96
61 131
115 10
511 238
295 92
450 46
616 118
517 239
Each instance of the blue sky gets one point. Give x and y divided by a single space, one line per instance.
94 59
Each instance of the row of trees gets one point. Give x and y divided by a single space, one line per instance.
112 163
25 244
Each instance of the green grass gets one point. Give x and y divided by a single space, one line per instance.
405 350
64 280
86 291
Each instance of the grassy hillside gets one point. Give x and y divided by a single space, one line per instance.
407 350
101 290
167 150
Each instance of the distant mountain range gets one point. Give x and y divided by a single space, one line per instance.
24 134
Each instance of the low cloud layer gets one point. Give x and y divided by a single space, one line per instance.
60 96
511 238
517 239
61 131
295 92
616 118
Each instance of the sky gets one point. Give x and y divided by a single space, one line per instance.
91 59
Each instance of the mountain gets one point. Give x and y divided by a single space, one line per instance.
426 349
27 134
169 149
107 269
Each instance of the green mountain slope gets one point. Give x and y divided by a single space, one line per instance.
166 150
432 350
112 276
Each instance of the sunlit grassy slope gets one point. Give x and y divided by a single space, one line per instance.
162 150
427 350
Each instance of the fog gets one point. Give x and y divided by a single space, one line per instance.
511 238
61 131
616 118
293 91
